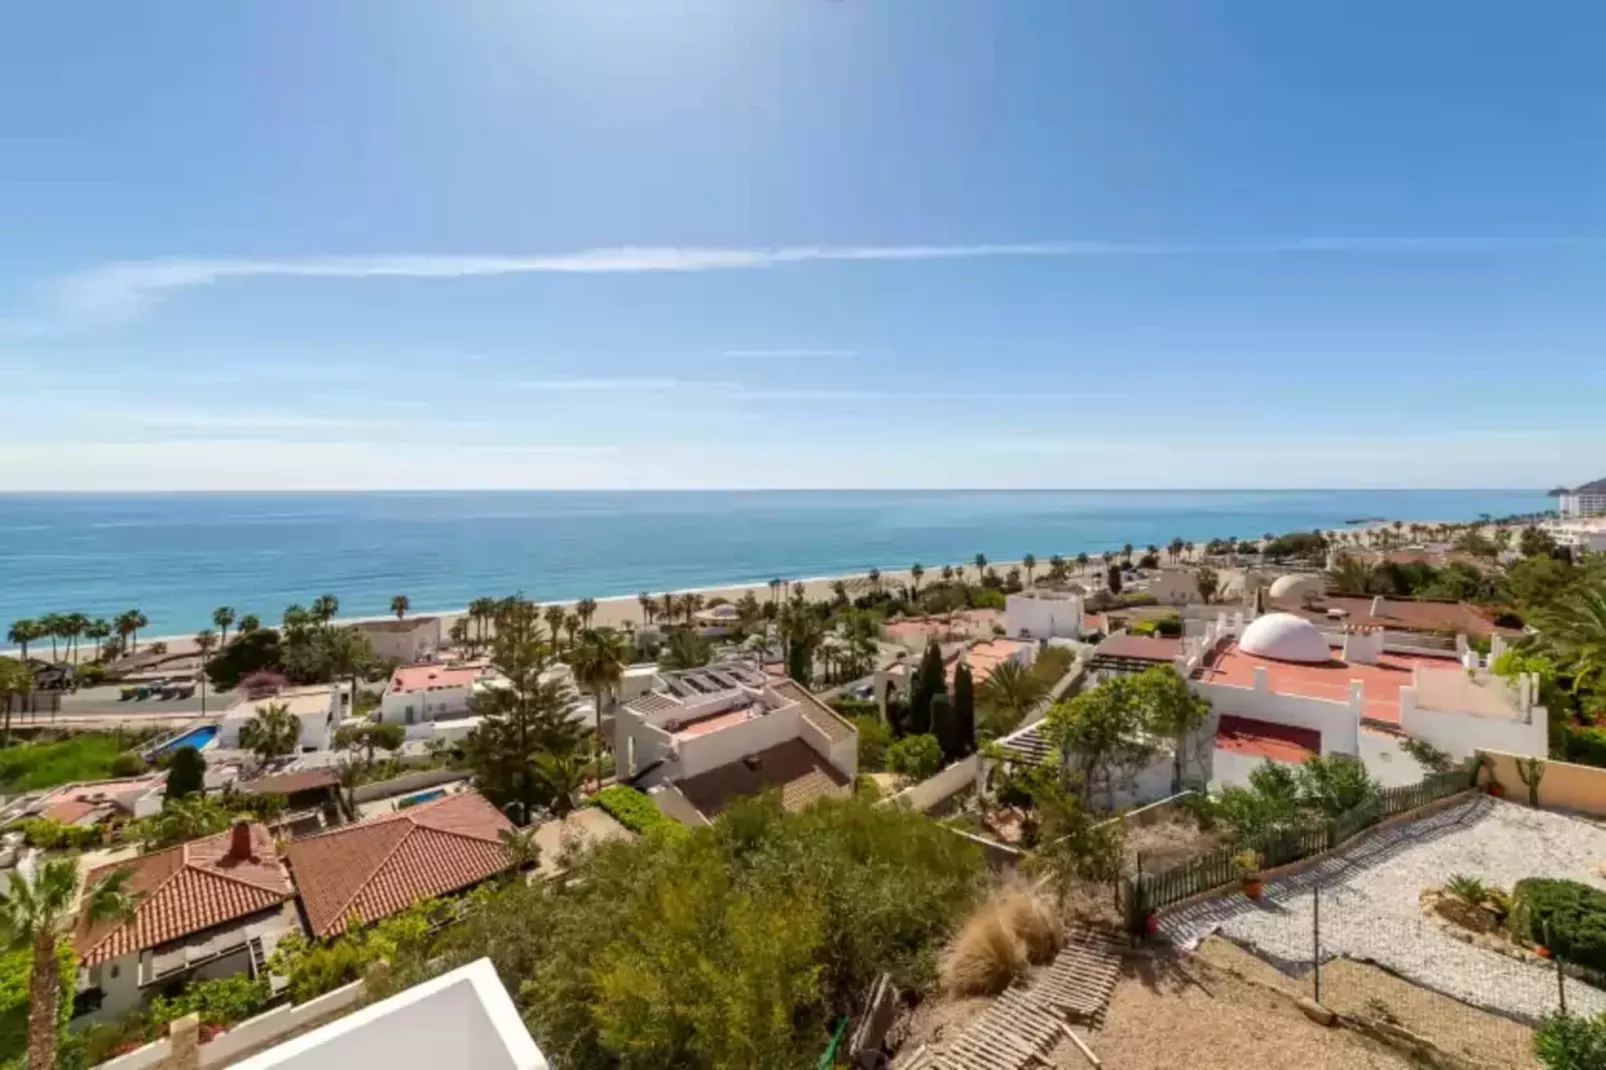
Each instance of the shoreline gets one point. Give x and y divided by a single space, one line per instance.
615 610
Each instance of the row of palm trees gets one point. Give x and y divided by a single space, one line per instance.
71 628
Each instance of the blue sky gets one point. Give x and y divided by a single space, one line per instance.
826 243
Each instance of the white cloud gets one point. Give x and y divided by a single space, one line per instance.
600 385
784 354
117 290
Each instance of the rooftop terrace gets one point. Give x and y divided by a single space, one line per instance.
1330 680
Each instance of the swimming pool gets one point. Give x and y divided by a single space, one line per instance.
195 737
414 800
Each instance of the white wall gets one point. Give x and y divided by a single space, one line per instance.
121 992
1231 769
1387 763
1338 722
1460 734
731 743
1040 617
932 791
843 754
426 705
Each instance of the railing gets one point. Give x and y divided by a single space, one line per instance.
1148 892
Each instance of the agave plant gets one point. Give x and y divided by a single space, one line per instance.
1469 890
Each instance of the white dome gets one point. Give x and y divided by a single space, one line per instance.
1285 637
1296 586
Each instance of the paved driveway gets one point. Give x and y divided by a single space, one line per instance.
1370 903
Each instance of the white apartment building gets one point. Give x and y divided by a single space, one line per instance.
408 640
320 708
1585 501
703 738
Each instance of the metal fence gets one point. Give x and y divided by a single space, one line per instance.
1146 892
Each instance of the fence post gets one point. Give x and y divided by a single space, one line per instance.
1316 938
1561 977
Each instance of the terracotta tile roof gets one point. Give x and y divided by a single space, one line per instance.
1139 648
817 713
187 889
69 810
1267 739
1399 614
410 678
793 767
384 865
291 783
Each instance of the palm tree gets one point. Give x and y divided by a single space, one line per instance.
598 662
37 907
128 625
248 624
223 620
324 608
775 588
916 573
1081 562
1012 690
1029 563
523 852
798 590
839 591
875 580
647 607
563 775
272 733
553 615
586 608
1175 547
15 679
72 627
205 642
50 627
1126 551
399 605
571 628
1573 630
981 566
99 630
947 573
22 633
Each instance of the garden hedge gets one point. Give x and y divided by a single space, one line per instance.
1566 916
632 809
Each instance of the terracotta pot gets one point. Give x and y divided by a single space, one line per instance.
1252 887
1151 924
1542 952
1497 789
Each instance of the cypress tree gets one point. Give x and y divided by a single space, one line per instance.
930 681
187 774
965 709
944 727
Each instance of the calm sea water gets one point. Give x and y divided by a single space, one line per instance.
175 556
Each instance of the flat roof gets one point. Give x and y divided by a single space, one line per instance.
1398 614
703 726
1139 648
1267 739
1330 680
984 658
410 678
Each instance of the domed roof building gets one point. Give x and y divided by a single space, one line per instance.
1285 637
1296 587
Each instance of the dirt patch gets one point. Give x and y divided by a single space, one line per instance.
1176 1010
1169 842
1460 912
1357 990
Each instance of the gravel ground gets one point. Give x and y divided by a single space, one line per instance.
1370 907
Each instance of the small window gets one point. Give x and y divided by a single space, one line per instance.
116 971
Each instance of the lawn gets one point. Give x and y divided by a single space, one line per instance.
32 766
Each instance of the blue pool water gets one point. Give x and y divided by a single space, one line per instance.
414 800
195 737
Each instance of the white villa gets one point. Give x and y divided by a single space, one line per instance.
1043 613
320 708
703 738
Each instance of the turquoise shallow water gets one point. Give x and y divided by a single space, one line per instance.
175 556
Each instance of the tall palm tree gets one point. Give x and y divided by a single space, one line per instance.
273 733
248 624
205 642
50 627
15 679
72 627
1573 630
128 624
1029 563
99 630
839 591
598 662
324 608
775 588
947 573
554 622
223 620
585 609
36 908
1174 548
917 572
1126 551
571 628
647 606
1081 562
23 632
1011 691
981 566
399 605
875 580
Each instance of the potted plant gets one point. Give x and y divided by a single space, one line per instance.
1497 789
1247 863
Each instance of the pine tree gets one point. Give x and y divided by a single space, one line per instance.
943 726
930 681
965 709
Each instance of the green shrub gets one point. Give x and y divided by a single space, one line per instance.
1584 744
1566 916
986 598
632 809
15 968
915 757
875 736
128 764
1571 1042
221 1001
51 836
1145 627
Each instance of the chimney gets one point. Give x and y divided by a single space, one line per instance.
240 841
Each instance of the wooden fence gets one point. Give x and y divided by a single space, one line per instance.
1146 892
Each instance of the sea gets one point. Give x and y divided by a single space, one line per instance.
176 556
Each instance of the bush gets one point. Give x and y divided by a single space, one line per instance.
987 598
915 757
221 1001
1566 916
1571 1042
632 809
15 968
875 736
1145 627
128 764
50 836
999 940
1584 744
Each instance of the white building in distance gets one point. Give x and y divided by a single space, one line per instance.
1585 501
1043 613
